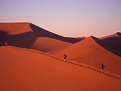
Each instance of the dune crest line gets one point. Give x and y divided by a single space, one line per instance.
113 75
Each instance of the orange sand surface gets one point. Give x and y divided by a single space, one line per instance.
15 28
28 70
88 51
48 44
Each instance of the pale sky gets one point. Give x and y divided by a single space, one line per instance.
66 17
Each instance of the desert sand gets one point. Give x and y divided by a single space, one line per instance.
112 43
48 44
29 70
32 59
15 28
28 35
88 51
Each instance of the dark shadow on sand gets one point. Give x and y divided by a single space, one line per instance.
40 32
20 40
113 45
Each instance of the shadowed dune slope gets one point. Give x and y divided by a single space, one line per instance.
27 70
88 51
112 43
29 35
44 33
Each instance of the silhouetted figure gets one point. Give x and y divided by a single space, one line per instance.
6 44
65 56
102 67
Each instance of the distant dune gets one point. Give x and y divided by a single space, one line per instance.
88 51
29 35
15 28
28 70
112 43
32 59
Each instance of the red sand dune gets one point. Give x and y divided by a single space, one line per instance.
112 43
15 28
88 51
48 44
28 35
118 34
27 70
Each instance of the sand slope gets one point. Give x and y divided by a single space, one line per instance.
15 28
88 51
28 35
112 43
48 44
27 70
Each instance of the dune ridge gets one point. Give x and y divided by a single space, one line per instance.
112 43
88 51
108 73
28 35
92 51
32 70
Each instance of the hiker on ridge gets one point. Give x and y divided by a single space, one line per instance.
102 67
6 43
65 57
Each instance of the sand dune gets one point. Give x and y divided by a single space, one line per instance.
48 44
27 70
29 35
15 28
118 34
112 43
88 51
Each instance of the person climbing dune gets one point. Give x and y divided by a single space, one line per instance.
102 67
6 44
65 57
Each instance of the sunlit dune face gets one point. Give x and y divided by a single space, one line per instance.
15 28
24 69
60 46
47 44
88 51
